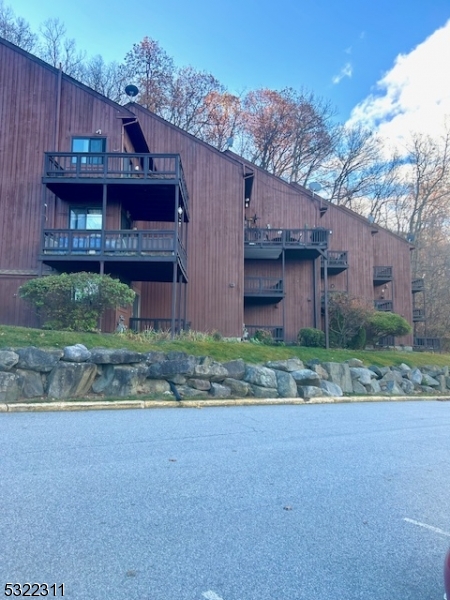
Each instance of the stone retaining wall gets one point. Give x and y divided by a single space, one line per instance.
75 372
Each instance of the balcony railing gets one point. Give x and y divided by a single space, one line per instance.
263 286
384 305
277 333
115 167
336 259
418 315
382 275
140 325
287 238
417 285
427 344
112 244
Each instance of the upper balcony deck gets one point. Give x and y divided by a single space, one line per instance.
144 255
270 243
64 172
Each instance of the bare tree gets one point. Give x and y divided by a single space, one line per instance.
59 50
223 120
16 29
289 133
150 68
106 78
186 105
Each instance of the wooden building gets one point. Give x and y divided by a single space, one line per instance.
205 238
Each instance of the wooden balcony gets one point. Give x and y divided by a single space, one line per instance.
137 255
384 305
297 243
382 275
417 285
427 344
263 290
144 183
418 315
337 262
140 325
277 333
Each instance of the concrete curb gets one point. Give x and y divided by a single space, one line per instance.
139 404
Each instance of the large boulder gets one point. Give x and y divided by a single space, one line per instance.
125 381
392 387
286 386
339 373
331 388
77 353
364 376
306 377
311 391
235 368
430 381
35 359
220 391
261 376
199 384
153 357
107 356
9 387
188 392
168 369
211 370
71 380
263 392
8 360
153 387
239 388
289 365
30 384
415 376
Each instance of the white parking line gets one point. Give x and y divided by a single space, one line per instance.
430 527
210 595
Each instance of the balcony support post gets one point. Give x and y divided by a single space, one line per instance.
104 201
325 284
174 300
283 274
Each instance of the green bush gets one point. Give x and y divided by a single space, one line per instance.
348 315
263 336
381 324
358 341
313 338
75 301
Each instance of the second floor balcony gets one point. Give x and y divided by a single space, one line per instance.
120 250
270 243
418 315
263 290
384 305
382 275
337 262
417 285
127 175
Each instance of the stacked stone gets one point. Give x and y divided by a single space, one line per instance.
75 372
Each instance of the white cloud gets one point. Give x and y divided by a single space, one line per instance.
346 71
414 96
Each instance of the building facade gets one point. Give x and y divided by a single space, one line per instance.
205 238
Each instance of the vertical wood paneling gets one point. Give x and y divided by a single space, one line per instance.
215 182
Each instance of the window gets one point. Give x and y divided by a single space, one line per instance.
91 145
85 218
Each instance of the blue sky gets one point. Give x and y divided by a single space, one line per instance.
342 51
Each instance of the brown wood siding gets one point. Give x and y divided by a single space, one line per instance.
215 239
14 310
215 181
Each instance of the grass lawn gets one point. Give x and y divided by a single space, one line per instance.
17 337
